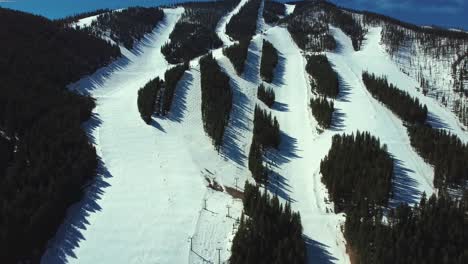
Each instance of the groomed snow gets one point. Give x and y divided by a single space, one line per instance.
289 8
221 28
148 201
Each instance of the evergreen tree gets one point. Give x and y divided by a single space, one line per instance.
268 62
216 99
266 95
326 79
322 109
237 54
147 97
172 77
269 233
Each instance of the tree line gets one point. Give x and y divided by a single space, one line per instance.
273 11
266 95
237 54
47 158
269 233
309 28
195 32
309 22
216 101
322 109
149 99
443 150
243 25
127 25
325 78
357 168
433 231
266 134
400 102
268 62
171 77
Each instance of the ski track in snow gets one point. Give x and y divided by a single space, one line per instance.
221 28
147 201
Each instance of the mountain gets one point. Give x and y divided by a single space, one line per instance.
241 131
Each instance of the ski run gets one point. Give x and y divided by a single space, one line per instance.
151 202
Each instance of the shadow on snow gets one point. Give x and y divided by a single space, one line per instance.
179 104
404 188
318 252
238 125
69 234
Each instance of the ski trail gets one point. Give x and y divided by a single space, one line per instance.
413 175
295 165
143 214
221 28
374 59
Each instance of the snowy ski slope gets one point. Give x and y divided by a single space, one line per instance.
148 203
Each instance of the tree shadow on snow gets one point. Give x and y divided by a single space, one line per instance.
288 150
280 71
436 122
88 84
278 185
404 188
69 235
345 90
318 252
338 118
237 126
179 104
154 123
252 64
280 107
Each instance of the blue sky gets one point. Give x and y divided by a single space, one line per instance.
446 13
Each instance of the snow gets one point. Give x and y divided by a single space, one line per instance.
362 112
301 149
149 197
373 58
289 9
85 22
221 28
148 201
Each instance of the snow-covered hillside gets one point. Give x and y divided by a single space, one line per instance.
151 202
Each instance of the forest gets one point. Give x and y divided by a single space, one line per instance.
443 150
195 33
268 233
325 78
237 54
243 25
266 95
69 20
322 109
127 25
400 102
273 11
42 121
345 21
149 99
309 33
365 176
268 62
266 134
171 77
433 231
216 101
309 22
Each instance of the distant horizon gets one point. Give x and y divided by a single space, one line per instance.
447 14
